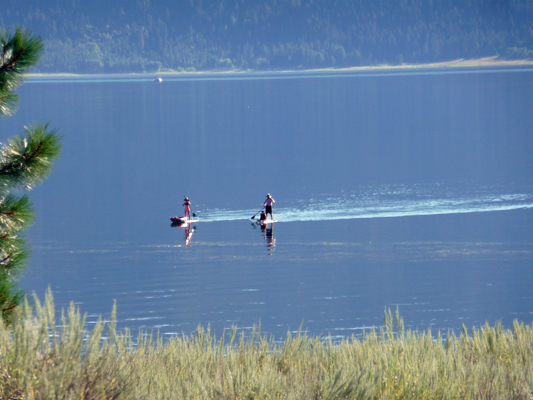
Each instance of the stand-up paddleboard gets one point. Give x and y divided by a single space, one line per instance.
182 220
266 222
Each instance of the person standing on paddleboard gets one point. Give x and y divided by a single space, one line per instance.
268 206
187 205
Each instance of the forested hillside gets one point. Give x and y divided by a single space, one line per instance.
98 36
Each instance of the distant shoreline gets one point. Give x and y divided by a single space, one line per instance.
461 63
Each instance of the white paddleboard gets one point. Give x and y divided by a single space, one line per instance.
183 220
268 221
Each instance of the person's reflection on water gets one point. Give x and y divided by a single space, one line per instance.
188 229
268 231
188 234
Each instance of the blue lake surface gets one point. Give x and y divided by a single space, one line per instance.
408 189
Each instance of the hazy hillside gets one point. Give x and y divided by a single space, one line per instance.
153 35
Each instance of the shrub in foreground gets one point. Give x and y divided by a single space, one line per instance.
40 359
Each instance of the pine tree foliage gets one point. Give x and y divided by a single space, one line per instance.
19 51
25 160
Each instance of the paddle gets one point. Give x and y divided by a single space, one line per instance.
257 213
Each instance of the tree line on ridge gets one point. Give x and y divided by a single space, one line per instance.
156 35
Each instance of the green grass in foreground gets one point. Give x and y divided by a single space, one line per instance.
490 363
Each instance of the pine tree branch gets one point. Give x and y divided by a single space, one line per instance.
20 51
8 102
16 214
27 159
24 161
6 259
10 297
7 169
11 307
13 262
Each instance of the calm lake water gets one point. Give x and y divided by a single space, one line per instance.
408 189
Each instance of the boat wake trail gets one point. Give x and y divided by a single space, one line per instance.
385 202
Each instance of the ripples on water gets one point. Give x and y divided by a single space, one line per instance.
345 248
331 278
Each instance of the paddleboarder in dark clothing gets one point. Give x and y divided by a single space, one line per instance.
268 206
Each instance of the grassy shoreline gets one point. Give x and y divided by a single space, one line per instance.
461 63
42 359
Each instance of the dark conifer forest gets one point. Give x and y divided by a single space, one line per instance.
120 36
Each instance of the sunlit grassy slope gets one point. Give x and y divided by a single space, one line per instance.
75 363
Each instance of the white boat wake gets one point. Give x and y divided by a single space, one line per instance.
381 205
